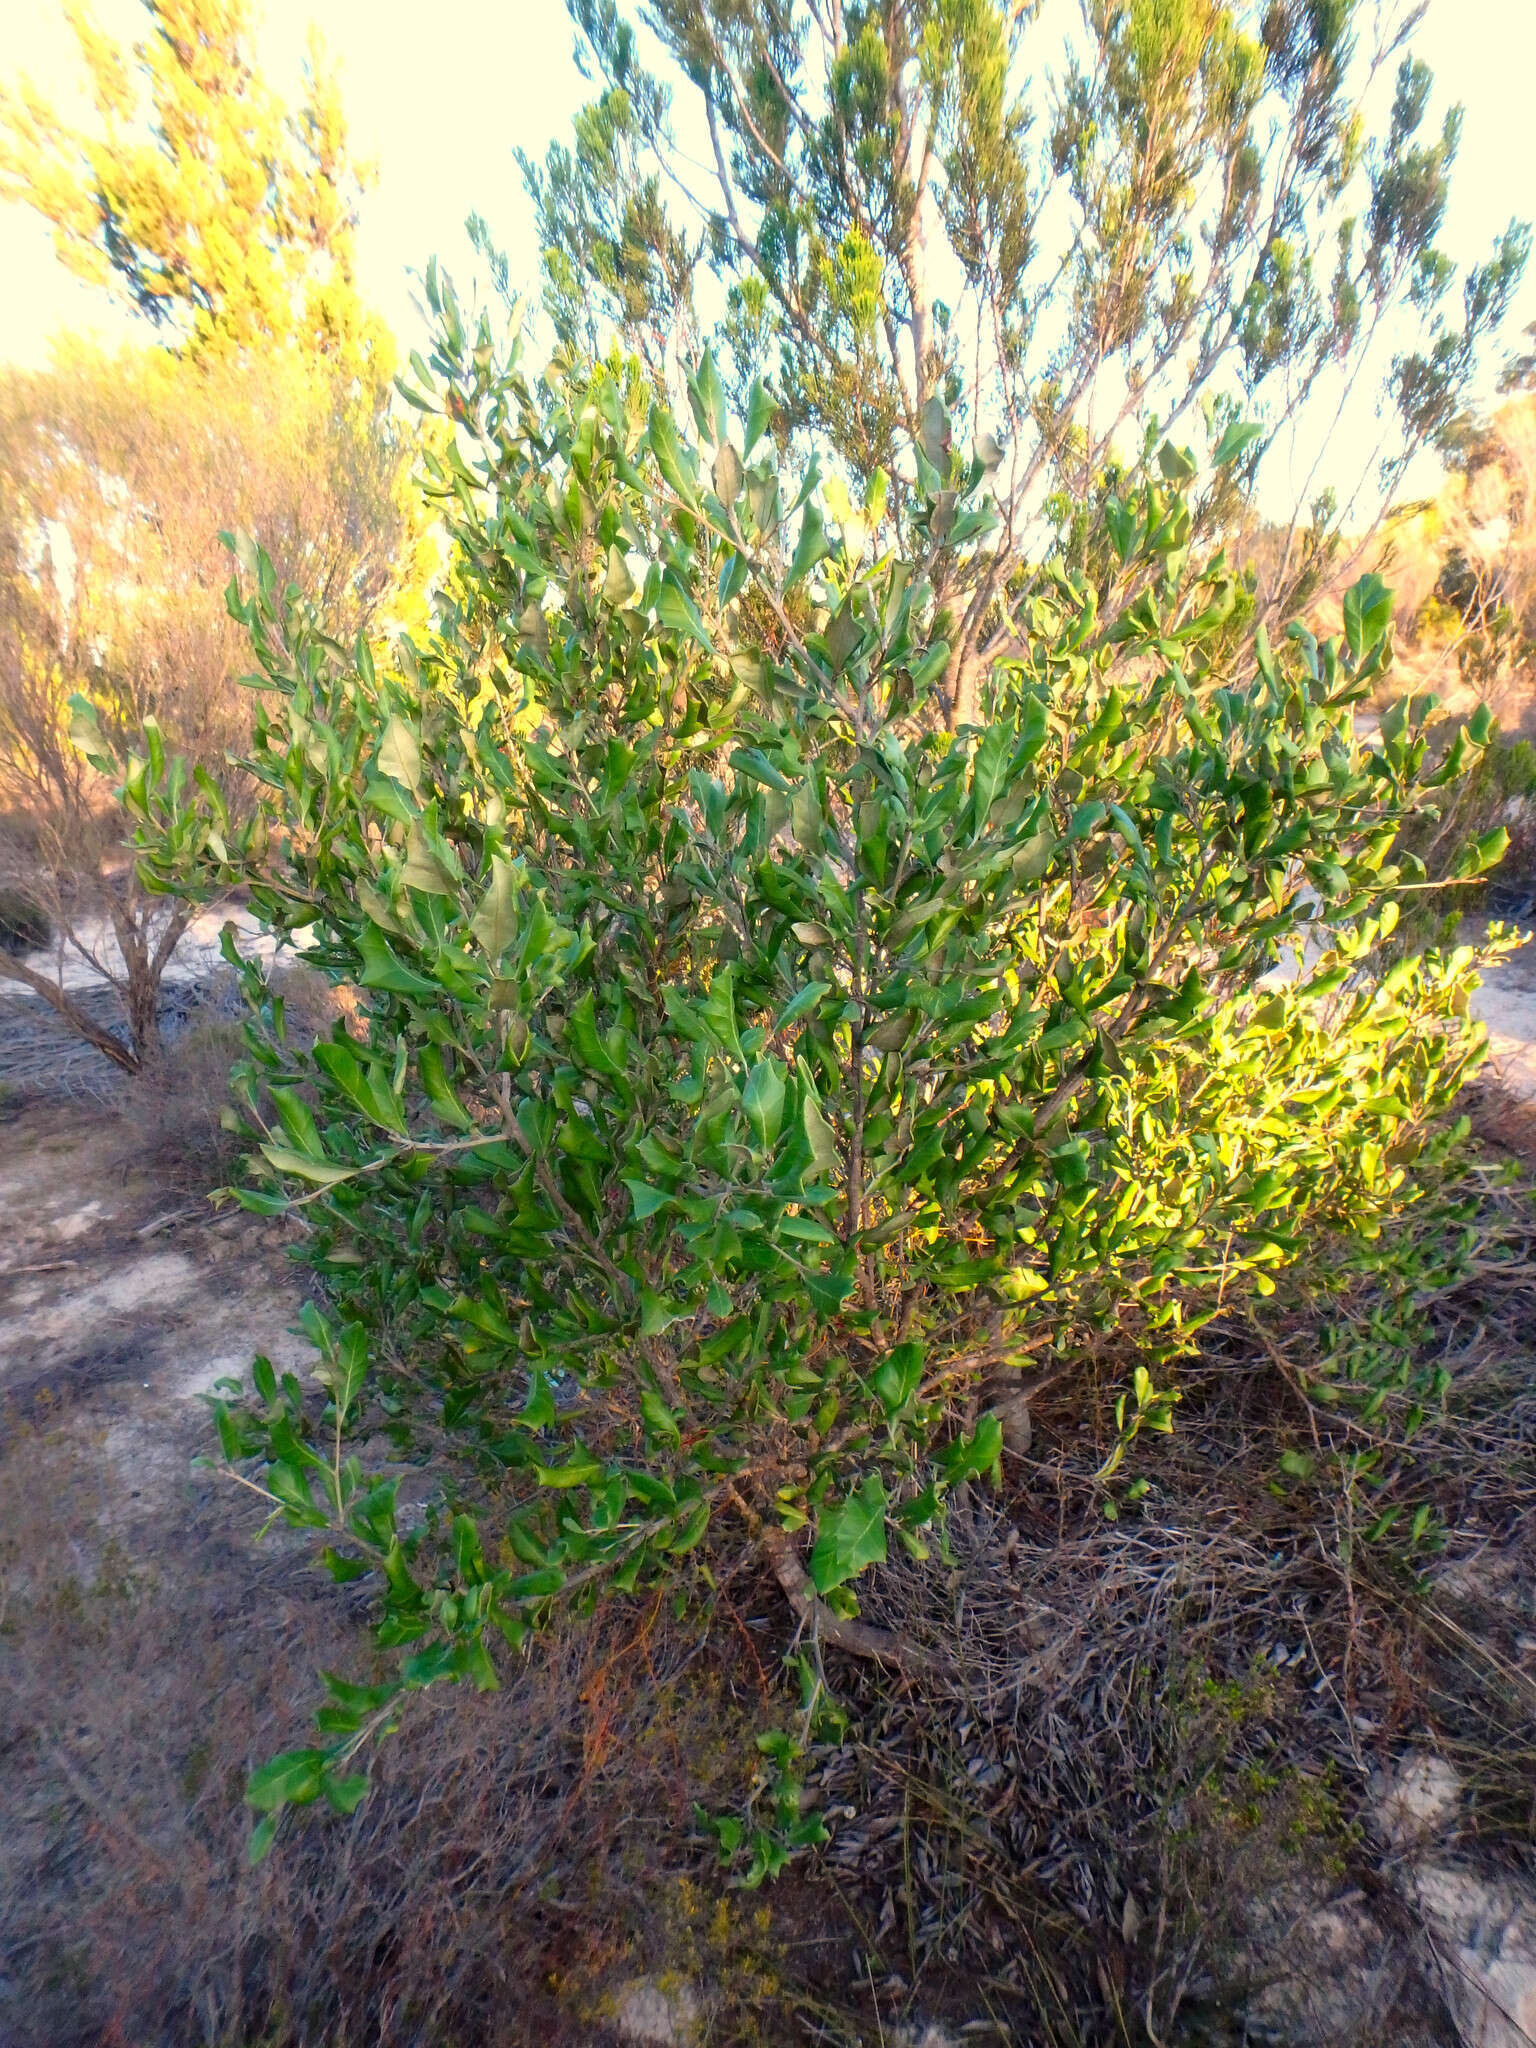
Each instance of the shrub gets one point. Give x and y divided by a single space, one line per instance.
24 926
745 1073
177 1117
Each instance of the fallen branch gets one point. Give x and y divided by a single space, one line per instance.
79 1020
164 1222
832 1630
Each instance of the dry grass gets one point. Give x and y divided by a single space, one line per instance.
1122 1807
169 1114
517 1847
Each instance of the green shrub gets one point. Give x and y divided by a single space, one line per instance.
745 1072
24 926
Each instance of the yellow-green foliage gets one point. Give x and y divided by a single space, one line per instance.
747 1068
194 188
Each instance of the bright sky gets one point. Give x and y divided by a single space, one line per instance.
440 97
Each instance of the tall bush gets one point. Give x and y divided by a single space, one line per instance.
747 1077
117 471
1054 224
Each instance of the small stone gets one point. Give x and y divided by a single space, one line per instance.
1484 1939
1417 1799
1320 1969
657 2012
1018 1431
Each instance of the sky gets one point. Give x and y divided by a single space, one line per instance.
441 111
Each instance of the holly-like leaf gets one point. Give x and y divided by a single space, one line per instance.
292 1779
850 1536
969 1456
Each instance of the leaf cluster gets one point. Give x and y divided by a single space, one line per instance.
743 1075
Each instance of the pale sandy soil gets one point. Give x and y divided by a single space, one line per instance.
1507 1005
122 1301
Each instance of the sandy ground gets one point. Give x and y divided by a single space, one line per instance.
199 954
122 1302
1507 1005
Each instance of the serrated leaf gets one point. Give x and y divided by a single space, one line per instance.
850 1536
345 1795
969 1456
292 1779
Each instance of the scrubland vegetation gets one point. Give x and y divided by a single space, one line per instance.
848 1044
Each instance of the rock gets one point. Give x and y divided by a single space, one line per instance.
1416 1800
1483 1934
1012 1412
1502 1580
657 2012
1323 1973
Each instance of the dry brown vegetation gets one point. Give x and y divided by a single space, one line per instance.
117 474
1121 1803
